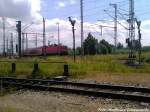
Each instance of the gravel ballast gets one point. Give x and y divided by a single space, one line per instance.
31 101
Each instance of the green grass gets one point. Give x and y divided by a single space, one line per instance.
88 65
7 109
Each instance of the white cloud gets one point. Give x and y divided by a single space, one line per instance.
64 3
29 10
66 32
13 10
73 2
20 9
35 9
61 4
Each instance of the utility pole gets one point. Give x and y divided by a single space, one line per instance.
115 26
4 36
12 46
36 40
101 28
139 40
44 39
73 31
49 42
131 22
26 41
23 38
82 33
7 47
19 36
58 38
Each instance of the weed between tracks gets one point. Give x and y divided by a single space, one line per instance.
90 66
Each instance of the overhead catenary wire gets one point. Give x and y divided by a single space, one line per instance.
96 10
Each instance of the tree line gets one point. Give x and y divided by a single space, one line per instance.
92 46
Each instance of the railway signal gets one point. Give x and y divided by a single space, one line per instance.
44 39
73 31
58 26
19 37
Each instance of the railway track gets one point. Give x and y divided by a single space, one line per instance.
141 94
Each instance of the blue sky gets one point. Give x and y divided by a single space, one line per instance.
93 9
59 10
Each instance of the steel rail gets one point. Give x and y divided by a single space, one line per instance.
140 98
78 84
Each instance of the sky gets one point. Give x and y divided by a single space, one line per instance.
93 9
31 12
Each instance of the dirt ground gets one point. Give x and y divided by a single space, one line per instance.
115 78
31 101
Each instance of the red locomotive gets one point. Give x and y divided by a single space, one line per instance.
49 50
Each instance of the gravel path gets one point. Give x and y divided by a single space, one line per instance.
111 83
30 101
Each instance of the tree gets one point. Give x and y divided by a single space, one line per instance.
90 45
78 50
119 46
105 47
